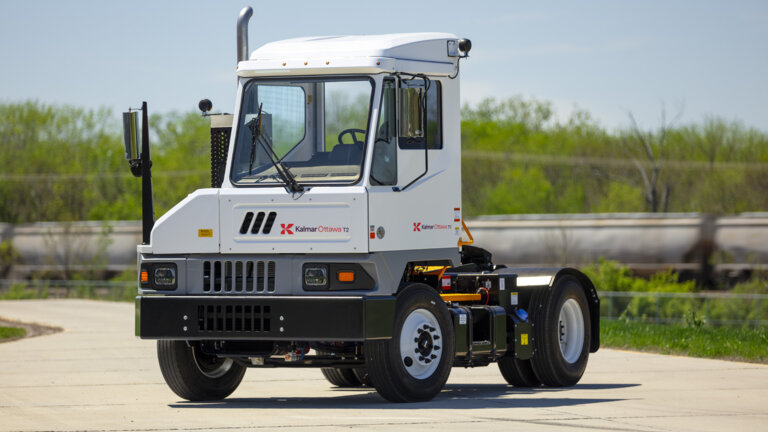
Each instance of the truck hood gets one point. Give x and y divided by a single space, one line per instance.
265 220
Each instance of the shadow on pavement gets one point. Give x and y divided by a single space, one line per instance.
454 397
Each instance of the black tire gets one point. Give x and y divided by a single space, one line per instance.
341 377
363 376
424 376
552 365
195 376
518 373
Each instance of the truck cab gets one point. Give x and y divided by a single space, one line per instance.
333 233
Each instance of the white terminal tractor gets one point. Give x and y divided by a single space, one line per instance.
332 235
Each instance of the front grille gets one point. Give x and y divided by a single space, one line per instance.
233 318
238 276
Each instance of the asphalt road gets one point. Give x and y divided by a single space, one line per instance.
95 375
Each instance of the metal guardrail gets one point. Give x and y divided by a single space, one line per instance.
718 308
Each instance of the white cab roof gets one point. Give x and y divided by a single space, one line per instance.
400 52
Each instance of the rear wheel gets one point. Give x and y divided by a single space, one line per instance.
196 376
518 373
414 365
562 334
363 376
341 377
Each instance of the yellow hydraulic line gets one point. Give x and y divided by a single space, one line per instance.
461 297
466 230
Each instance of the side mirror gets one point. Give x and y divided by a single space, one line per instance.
131 134
411 112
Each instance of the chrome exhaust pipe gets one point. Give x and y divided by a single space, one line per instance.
242 33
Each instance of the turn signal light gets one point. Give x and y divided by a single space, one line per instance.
346 276
144 276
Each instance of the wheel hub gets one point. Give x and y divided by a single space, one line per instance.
571 330
419 343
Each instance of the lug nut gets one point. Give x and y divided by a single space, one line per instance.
426 327
427 361
433 356
435 337
416 340
421 358
435 347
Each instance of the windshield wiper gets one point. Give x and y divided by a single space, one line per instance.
257 137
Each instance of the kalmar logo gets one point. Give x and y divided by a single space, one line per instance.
286 229
416 226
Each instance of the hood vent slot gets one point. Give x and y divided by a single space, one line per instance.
257 224
246 223
270 221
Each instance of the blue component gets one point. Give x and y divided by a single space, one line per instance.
521 314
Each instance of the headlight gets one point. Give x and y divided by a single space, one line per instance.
158 276
165 275
316 276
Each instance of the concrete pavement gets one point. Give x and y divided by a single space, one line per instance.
95 375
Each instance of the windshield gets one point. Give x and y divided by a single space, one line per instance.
313 129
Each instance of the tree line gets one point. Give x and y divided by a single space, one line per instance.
64 163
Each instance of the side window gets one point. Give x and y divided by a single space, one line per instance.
434 117
384 165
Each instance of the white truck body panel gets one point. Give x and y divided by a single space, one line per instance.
428 213
322 220
191 226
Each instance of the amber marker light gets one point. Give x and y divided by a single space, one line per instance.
145 276
346 276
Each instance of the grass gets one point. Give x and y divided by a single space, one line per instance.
729 343
11 332
22 292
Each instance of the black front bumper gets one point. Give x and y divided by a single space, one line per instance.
321 318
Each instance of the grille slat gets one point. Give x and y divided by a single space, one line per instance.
233 276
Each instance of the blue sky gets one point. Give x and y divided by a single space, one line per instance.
606 57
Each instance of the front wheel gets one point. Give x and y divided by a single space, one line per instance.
196 376
414 365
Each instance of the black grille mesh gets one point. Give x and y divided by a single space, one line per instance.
233 318
219 147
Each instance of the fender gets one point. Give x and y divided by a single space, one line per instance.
535 278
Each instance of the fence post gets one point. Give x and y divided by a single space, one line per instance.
706 309
610 307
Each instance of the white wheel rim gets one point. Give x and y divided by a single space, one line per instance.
216 369
571 330
421 344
